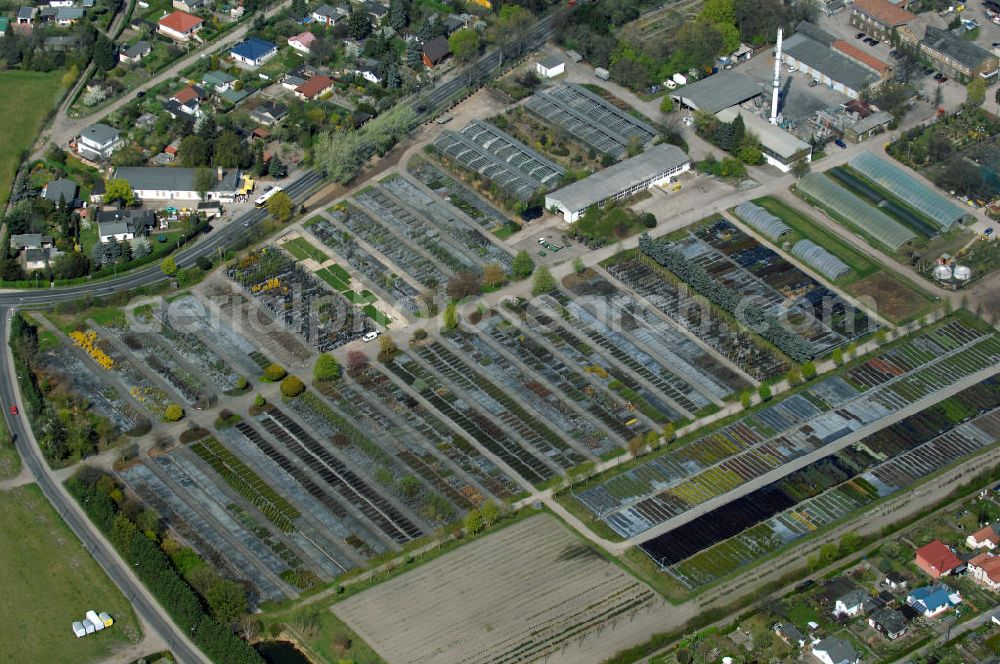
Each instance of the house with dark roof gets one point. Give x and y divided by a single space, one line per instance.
790 634
855 602
879 18
369 69
833 650
219 81
328 14
98 141
26 15
957 57
269 113
937 560
37 259
62 191
135 52
889 622
435 51
894 581
168 183
30 241
253 52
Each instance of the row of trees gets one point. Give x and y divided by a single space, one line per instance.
343 153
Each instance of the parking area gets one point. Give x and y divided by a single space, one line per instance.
800 102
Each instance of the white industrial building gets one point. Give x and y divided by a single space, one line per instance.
781 148
165 183
550 67
656 166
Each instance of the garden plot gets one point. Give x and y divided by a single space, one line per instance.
379 276
517 595
552 407
462 198
342 423
453 224
408 227
225 352
602 404
100 396
427 429
509 409
352 489
326 321
696 368
713 327
473 421
208 541
713 465
140 387
601 371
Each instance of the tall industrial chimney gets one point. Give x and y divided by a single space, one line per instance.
777 80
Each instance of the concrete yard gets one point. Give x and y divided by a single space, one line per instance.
515 596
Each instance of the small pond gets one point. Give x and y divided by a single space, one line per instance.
280 652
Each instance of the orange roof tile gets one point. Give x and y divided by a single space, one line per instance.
884 12
989 564
855 53
179 21
314 86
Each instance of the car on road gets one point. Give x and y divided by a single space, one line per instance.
937 76
995 44
792 69
13 410
140 94
874 42
860 35
813 83
988 231
943 79
370 336
841 144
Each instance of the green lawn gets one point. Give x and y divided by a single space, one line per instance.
10 460
25 99
302 249
49 581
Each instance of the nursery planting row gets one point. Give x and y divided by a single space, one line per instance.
461 197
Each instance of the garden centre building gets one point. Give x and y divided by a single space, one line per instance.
656 166
152 183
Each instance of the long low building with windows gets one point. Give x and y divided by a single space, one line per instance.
781 148
166 183
656 166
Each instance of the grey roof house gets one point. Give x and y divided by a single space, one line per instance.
61 190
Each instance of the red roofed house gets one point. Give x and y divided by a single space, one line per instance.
314 87
879 17
301 42
179 25
187 99
862 57
984 538
937 559
985 569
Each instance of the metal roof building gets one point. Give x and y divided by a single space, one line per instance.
781 149
715 93
911 191
761 220
821 260
855 210
655 166
168 183
827 65
590 119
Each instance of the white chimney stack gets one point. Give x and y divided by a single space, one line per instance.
777 80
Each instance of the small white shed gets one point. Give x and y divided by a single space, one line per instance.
550 67
89 626
79 630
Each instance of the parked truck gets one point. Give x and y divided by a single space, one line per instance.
602 73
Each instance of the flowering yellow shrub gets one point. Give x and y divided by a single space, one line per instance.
88 342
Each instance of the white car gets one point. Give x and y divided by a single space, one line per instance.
370 336
792 68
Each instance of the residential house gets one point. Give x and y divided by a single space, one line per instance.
146 120
550 67
316 86
368 69
62 191
179 25
26 15
135 52
66 16
832 650
4 26
292 82
435 51
376 10
879 18
889 622
98 141
61 3
790 634
957 57
188 100
453 23
986 537
302 41
61 43
328 15
189 6
30 241
170 183
253 52
854 602
985 569
234 96
894 581
269 113
123 225
218 81
97 193
929 601
37 259
937 560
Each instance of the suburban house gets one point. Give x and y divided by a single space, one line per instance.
368 69
985 569
302 41
269 113
219 81
957 57
328 15
61 191
37 258
30 241
62 16
929 601
986 537
189 5
168 183
879 18
188 100
550 67
179 25
316 86
938 560
854 602
123 225
832 650
253 52
889 622
790 634
26 15
98 141
894 581
135 52
435 51
97 192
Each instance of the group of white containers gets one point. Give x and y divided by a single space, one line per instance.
94 622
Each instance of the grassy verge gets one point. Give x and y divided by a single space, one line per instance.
25 100
10 460
49 581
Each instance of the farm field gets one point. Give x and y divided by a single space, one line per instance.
50 581
512 596
25 99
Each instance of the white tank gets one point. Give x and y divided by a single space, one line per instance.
942 272
962 273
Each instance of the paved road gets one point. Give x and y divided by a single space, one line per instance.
145 605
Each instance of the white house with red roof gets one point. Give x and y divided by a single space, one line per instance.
302 41
179 25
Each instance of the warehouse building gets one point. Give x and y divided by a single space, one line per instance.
714 93
656 166
152 183
814 55
781 149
